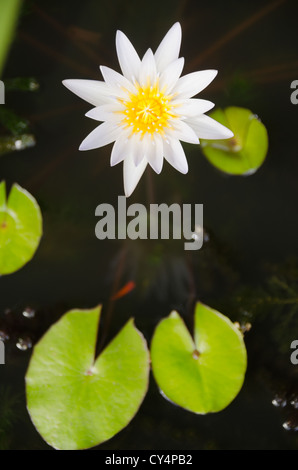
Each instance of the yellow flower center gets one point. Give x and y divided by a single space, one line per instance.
148 110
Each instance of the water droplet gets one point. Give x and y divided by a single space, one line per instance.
23 344
4 336
206 237
290 425
29 312
294 402
279 401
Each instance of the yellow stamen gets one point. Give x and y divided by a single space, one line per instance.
148 110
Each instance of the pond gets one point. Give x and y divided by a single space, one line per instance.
248 266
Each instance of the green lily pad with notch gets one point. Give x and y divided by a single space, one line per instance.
244 153
76 401
20 228
203 374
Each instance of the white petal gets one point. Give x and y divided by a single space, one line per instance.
155 157
148 74
116 80
169 48
138 148
174 154
101 136
92 91
193 107
132 174
146 148
184 132
129 60
171 74
207 128
120 149
191 84
106 112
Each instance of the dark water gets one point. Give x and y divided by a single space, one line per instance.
248 268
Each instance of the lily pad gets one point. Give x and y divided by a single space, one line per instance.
244 153
76 401
8 19
203 374
20 228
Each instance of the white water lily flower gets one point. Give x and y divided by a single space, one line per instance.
149 109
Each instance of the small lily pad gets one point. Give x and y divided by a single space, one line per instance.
203 374
244 153
20 228
76 401
8 19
